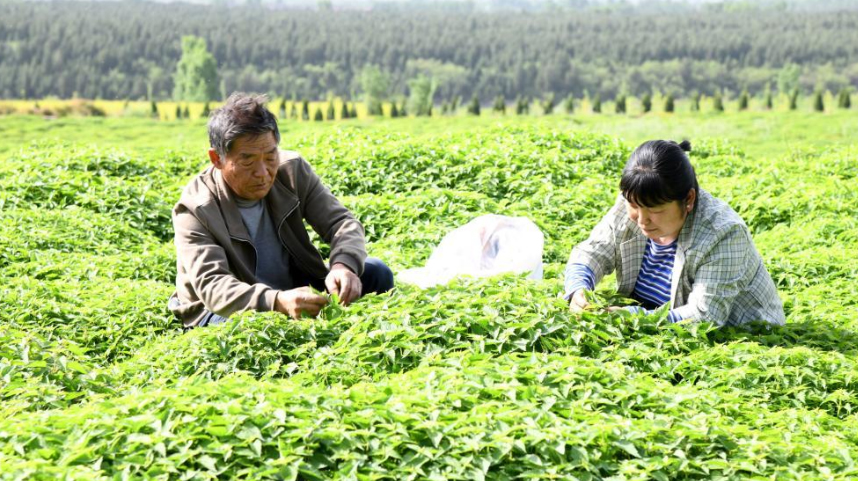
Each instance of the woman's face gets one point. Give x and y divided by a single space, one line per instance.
661 223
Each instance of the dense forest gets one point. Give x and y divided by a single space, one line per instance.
130 50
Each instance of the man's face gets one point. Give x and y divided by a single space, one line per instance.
250 167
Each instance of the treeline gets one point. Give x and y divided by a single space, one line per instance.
130 51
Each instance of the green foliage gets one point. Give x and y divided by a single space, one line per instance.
422 95
768 102
569 104
695 101
548 104
522 105
844 99
196 78
344 110
330 113
793 100
620 104
596 104
207 111
744 98
669 104
478 379
717 102
318 116
818 102
281 109
500 105
646 103
153 109
130 49
187 112
375 85
305 109
474 106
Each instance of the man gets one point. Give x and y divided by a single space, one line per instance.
239 228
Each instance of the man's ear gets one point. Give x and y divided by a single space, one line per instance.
217 161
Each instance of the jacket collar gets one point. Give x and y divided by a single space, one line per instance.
280 201
686 236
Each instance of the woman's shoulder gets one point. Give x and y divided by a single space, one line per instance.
714 216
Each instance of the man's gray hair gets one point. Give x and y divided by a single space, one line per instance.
241 114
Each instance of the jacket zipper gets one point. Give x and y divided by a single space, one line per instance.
279 226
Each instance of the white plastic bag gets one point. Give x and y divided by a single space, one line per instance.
488 245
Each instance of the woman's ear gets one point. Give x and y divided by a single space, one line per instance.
690 198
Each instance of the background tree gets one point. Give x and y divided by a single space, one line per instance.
768 102
353 111
394 112
548 104
331 113
522 105
597 104
569 104
196 77
375 85
178 112
844 98
422 94
646 103
305 109
207 111
318 117
695 101
187 112
718 102
793 99
620 104
500 105
744 98
818 101
282 109
293 112
669 103
454 105
153 109
474 106
123 50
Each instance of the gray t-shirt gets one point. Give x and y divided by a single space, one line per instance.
272 259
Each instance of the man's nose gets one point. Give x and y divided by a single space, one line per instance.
260 171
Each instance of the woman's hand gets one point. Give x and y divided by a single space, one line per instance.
579 301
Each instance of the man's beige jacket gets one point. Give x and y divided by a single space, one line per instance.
216 262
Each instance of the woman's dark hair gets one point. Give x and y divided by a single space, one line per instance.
658 172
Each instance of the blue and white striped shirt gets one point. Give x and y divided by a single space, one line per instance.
652 288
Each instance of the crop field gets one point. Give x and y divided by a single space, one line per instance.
479 379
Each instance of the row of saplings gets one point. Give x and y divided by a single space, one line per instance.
522 106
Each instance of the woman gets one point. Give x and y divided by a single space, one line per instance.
670 241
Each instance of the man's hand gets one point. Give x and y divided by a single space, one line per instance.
294 302
344 283
579 301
